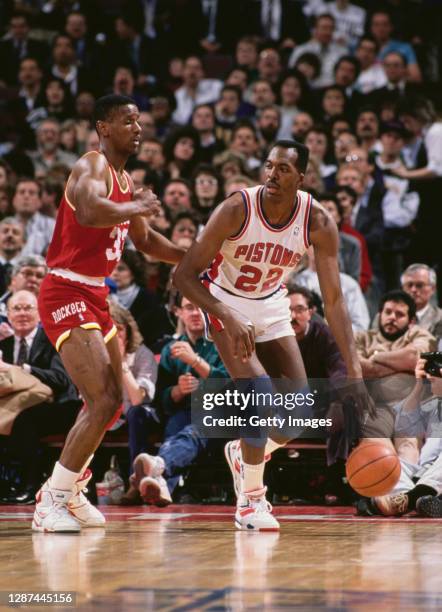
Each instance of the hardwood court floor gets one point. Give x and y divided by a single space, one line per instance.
192 558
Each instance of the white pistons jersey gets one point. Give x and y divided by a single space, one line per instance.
254 262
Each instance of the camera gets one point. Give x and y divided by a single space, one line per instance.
433 363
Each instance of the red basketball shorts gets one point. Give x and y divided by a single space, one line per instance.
64 305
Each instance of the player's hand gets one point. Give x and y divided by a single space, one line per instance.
242 337
149 203
187 383
184 352
354 394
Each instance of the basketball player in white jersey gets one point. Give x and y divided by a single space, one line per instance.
250 243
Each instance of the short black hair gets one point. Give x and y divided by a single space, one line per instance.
106 105
348 190
304 292
350 60
397 295
302 150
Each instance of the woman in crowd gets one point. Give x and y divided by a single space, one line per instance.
292 99
181 149
208 190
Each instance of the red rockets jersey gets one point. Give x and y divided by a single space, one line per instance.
92 251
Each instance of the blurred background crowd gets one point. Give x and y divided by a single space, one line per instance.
217 82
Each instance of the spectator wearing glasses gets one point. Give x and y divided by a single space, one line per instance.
419 280
208 190
29 348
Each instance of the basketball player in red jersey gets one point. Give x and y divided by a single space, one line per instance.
99 208
253 239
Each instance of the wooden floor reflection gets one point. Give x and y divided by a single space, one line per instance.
193 559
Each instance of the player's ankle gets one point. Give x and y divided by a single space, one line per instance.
62 478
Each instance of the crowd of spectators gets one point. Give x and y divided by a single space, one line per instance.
217 83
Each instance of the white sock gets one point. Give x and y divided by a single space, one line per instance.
272 446
62 478
253 476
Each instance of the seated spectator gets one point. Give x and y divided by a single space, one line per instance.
322 45
309 65
183 362
292 94
30 96
349 19
51 194
333 103
49 151
230 164
347 198
181 150
124 84
245 141
419 280
56 104
267 124
381 28
372 75
227 111
17 45
30 349
177 195
396 88
388 356
68 137
319 350
302 123
349 255
12 240
366 215
420 481
195 90
130 277
139 379
208 189
356 305
261 94
38 228
400 204
203 120
236 183
312 179
269 65
339 125
246 55
184 228
343 144
64 66
318 143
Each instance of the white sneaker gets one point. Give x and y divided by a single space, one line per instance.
146 465
155 491
52 512
254 512
232 452
79 505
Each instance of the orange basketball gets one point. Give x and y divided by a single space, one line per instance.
373 469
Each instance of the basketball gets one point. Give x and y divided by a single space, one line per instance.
373 469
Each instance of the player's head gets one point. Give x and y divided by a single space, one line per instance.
116 121
285 167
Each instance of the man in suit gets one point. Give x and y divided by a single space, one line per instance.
419 280
12 240
17 46
276 20
30 349
396 88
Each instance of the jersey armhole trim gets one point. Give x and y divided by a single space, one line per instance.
247 206
308 221
109 193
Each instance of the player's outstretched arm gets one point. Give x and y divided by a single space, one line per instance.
325 240
152 243
224 222
87 191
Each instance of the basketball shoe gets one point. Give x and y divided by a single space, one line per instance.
430 506
254 512
392 505
232 452
79 505
147 477
52 511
